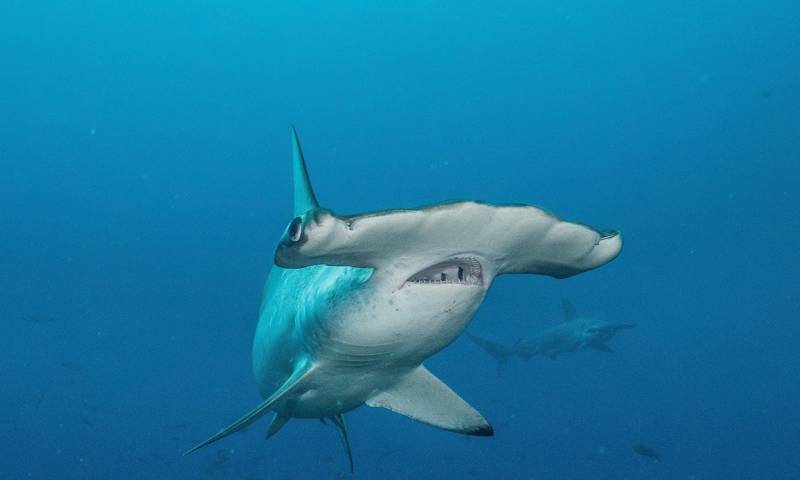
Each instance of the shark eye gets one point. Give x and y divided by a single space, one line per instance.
295 230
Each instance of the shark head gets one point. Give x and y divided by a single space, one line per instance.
597 332
464 243
437 261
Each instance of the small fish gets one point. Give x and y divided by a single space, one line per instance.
648 452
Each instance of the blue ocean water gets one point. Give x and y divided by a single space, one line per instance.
144 151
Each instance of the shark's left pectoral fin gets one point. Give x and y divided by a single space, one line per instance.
423 397
295 381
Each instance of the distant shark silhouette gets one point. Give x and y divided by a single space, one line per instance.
355 304
573 334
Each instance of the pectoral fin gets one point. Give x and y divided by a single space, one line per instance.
292 383
423 397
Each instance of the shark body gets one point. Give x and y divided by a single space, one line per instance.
354 304
573 334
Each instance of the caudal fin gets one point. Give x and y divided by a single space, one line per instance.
499 352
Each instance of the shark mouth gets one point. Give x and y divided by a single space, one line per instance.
456 271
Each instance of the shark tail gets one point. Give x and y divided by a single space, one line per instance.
499 352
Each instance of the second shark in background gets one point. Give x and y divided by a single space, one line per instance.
573 334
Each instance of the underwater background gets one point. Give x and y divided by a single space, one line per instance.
145 181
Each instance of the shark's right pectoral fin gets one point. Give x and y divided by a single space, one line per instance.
423 397
294 382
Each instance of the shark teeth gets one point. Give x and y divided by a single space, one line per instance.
456 271
438 282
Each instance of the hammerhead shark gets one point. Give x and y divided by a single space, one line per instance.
354 304
573 334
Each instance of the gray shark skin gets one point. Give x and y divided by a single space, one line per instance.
573 334
354 304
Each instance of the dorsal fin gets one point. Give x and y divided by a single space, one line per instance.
569 310
304 198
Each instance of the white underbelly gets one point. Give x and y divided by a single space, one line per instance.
334 389
364 346
403 327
